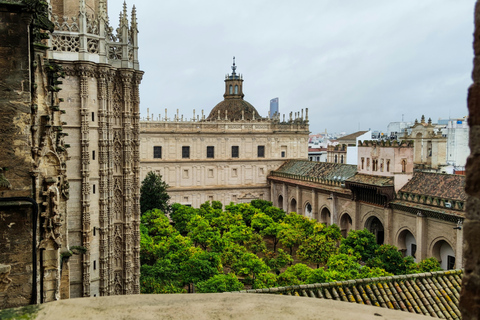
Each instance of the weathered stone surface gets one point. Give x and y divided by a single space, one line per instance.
470 295
4 280
207 306
474 104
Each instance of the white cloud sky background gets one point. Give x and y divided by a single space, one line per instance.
354 64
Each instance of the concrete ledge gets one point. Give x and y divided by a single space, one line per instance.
213 306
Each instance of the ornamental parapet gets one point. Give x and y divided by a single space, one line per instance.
195 125
91 38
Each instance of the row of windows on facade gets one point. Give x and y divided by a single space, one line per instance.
375 166
210 173
157 152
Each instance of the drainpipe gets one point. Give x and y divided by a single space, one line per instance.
34 205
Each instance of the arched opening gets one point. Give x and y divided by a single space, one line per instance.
444 253
308 210
375 226
325 216
280 202
336 158
341 158
404 166
293 205
407 244
345 224
231 89
236 89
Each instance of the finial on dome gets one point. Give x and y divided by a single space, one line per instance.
234 67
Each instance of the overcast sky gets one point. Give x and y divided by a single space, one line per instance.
353 63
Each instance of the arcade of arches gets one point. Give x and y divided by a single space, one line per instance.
390 224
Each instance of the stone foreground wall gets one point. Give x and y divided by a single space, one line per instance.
470 297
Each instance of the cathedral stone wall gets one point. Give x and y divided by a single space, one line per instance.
102 104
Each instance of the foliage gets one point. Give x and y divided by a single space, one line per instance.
220 283
277 260
181 216
153 193
290 236
211 248
249 265
362 242
294 275
265 280
320 245
389 258
429 265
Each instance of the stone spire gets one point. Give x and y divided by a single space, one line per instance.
134 20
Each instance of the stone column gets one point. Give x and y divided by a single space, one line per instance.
470 295
314 204
421 237
333 214
459 249
298 195
388 228
272 193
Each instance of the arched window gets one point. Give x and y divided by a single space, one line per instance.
236 89
388 165
341 158
231 89
336 158
404 165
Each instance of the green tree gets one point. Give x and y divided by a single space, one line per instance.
181 216
290 236
360 242
249 265
294 275
260 204
388 257
200 267
153 193
220 283
277 260
201 232
265 280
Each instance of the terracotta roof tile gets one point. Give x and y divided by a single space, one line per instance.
440 185
322 170
434 294
371 180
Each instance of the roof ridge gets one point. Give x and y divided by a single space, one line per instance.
386 279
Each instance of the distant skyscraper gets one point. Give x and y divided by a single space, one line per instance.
273 107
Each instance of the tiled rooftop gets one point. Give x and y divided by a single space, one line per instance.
352 136
439 185
322 170
371 180
434 294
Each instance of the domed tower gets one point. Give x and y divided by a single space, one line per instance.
233 107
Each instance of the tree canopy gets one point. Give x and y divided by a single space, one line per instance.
256 246
153 193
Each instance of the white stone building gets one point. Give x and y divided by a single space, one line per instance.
224 157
